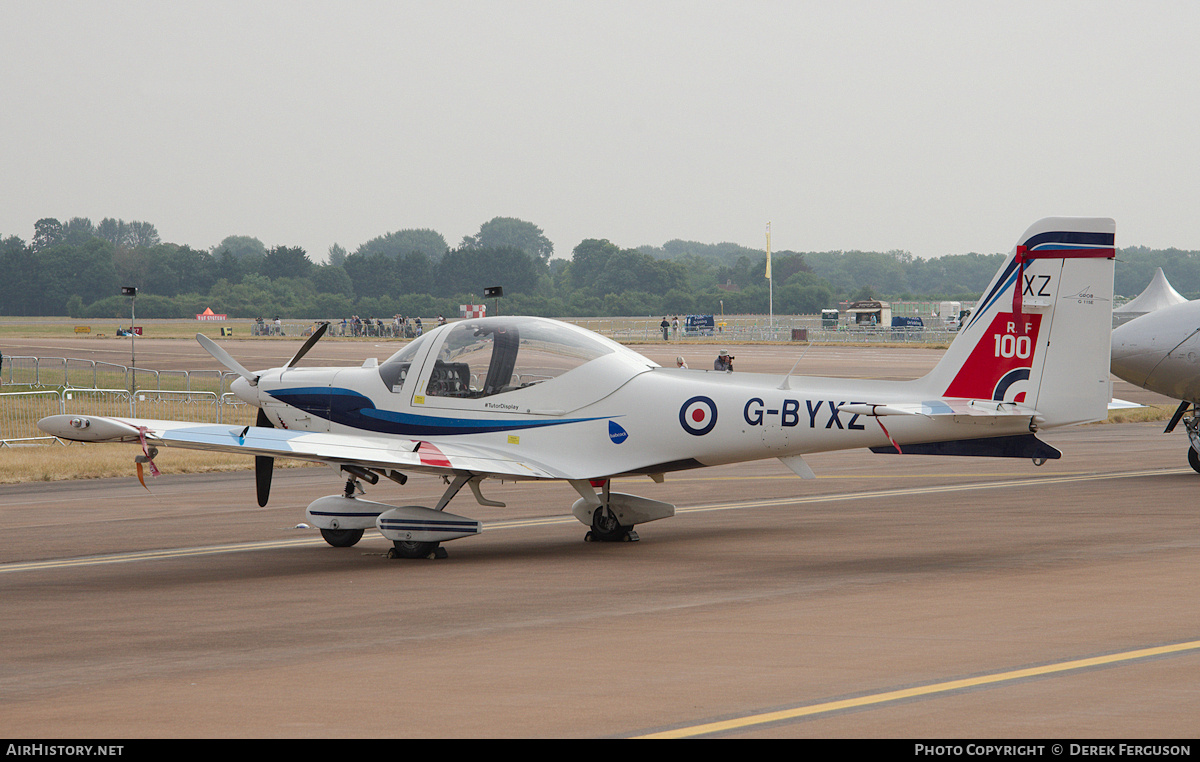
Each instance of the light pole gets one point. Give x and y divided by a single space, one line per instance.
131 292
494 293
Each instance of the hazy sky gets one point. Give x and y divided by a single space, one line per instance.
933 127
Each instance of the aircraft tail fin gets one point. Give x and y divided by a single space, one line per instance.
1040 334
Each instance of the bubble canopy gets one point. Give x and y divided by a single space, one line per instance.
485 357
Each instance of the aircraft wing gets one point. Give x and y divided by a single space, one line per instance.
362 450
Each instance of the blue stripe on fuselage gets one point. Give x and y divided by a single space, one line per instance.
350 408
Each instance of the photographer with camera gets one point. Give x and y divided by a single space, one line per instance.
724 361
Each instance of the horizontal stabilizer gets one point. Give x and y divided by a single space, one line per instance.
1117 404
864 408
962 409
1019 446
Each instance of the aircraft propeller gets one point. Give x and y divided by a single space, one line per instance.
227 360
263 465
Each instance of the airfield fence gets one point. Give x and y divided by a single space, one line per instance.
69 372
739 328
762 328
19 414
20 411
68 385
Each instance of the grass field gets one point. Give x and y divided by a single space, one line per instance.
44 463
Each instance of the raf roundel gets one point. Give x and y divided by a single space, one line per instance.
698 416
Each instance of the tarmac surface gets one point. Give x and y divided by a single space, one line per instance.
893 596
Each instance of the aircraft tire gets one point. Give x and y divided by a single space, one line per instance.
1194 459
408 549
605 527
342 538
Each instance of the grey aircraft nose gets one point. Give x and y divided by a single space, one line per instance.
1158 351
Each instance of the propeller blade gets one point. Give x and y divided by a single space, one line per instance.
316 336
225 358
263 465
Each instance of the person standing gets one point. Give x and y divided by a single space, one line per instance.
665 326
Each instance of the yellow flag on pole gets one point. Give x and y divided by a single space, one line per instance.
768 251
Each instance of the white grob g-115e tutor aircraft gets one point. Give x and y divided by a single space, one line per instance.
529 398
1160 351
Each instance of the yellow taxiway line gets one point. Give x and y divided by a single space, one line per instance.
749 721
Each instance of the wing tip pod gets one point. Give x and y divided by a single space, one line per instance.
86 428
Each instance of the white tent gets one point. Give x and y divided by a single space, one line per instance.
1157 295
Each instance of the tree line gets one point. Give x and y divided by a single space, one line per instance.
78 267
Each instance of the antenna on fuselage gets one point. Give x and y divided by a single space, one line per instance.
784 386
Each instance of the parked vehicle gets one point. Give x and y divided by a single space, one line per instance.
699 325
